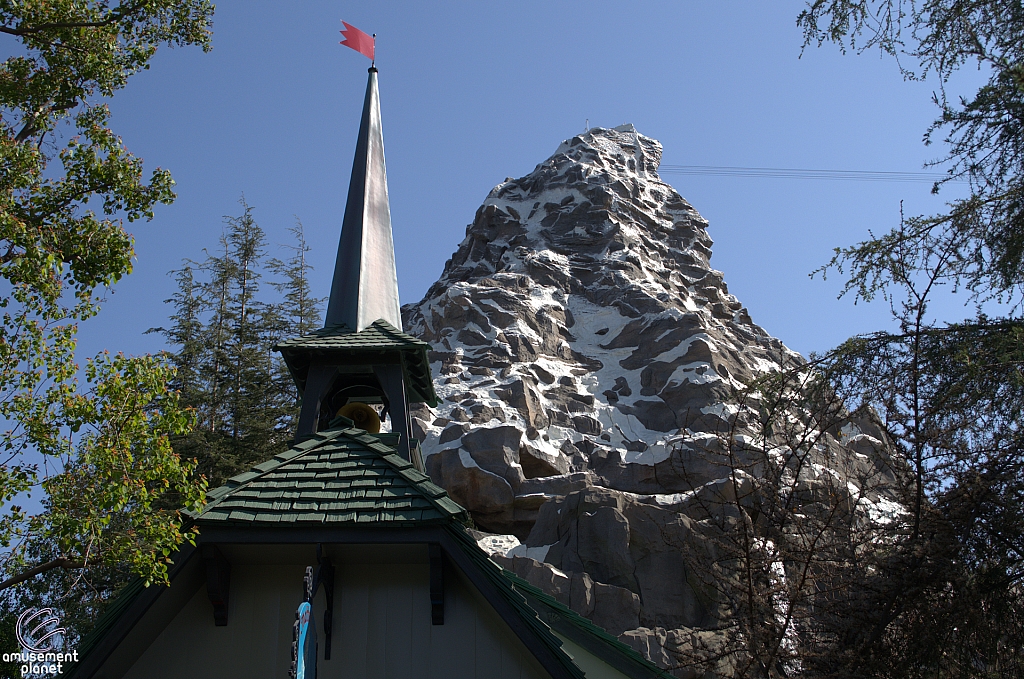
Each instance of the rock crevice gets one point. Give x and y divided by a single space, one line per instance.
586 353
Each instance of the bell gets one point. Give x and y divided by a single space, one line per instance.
364 416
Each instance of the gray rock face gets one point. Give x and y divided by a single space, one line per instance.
580 327
585 353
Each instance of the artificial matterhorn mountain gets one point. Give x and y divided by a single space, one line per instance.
585 353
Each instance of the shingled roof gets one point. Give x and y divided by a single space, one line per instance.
340 476
344 477
380 337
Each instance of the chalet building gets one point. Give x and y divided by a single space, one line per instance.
339 558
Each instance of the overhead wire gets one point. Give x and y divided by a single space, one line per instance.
794 173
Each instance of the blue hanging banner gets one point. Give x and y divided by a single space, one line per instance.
304 632
304 643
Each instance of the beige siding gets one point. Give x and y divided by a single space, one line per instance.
259 627
594 667
382 629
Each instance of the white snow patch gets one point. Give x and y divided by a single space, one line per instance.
467 460
498 544
883 511
723 411
537 553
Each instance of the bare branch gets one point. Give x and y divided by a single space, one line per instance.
60 562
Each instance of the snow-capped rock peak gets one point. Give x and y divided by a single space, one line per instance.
579 328
587 356
618 151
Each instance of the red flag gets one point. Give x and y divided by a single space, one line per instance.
357 40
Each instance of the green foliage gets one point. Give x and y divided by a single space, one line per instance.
113 459
984 133
8 640
223 329
909 561
103 502
98 452
78 596
943 597
939 596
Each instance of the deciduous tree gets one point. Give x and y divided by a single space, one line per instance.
98 452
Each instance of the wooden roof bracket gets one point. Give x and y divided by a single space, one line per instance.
325 576
218 582
436 584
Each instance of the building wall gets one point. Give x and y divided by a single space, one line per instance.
382 628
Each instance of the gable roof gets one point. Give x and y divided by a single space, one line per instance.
479 561
344 477
340 476
375 341
546 616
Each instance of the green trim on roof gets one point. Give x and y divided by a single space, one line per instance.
537 608
340 476
496 575
111 614
377 340
537 599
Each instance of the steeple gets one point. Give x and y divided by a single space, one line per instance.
365 286
361 355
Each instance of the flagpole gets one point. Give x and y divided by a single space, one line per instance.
374 60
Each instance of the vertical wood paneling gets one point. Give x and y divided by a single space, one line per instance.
465 628
488 660
288 598
350 622
441 637
250 645
511 667
422 630
376 625
264 609
382 629
399 662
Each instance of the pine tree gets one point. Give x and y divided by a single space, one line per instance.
186 333
299 309
223 327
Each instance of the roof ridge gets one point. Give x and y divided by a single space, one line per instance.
380 325
240 489
433 493
255 472
384 325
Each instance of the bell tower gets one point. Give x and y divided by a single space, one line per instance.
361 356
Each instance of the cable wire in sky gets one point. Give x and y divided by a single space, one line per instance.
792 173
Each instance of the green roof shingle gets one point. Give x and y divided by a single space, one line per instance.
379 339
341 476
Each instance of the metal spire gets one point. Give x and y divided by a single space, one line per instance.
365 286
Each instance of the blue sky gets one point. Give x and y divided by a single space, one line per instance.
474 92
